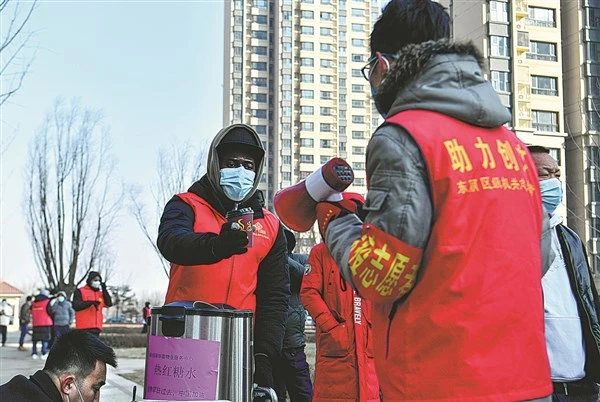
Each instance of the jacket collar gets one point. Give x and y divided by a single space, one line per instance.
45 383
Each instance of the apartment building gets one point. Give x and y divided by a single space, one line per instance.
581 81
293 71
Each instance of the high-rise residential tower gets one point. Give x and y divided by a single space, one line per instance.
293 71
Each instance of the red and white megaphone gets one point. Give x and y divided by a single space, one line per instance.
296 205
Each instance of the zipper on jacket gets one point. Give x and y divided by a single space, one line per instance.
230 278
389 328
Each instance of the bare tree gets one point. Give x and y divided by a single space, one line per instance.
177 168
14 63
71 203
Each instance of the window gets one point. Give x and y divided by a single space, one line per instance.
287 46
341 66
593 18
307 159
286 143
326 127
287 15
358 28
358 42
307 14
287 95
259 82
307 126
307 94
286 159
237 82
323 159
307 30
326 95
287 112
498 11
326 16
593 51
342 115
262 50
359 181
326 32
358 104
542 17
309 110
307 46
326 47
287 31
541 85
307 142
358 165
326 79
287 78
308 78
237 36
358 12
501 81
358 88
286 176
326 63
356 73
237 67
307 61
326 111
499 46
259 34
358 119
342 146
260 19
287 63
286 127
259 98
261 129
237 51
358 150
358 135
342 130
326 143
342 98
238 4
545 121
259 65
542 51
260 3
358 58
260 113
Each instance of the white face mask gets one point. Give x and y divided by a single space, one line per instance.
61 299
237 182
95 284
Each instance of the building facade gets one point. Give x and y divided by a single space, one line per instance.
293 71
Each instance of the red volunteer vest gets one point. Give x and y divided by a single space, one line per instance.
473 326
232 280
90 317
39 315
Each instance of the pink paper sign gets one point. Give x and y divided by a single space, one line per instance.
181 369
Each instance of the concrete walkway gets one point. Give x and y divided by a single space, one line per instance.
117 388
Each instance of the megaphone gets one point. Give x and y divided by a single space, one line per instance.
296 205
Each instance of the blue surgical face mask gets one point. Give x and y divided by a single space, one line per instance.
61 299
552 194
95 284
237 182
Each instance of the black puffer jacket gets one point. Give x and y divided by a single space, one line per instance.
586 295
296 319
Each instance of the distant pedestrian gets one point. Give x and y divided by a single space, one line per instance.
62 314
41 322
6 316
146 316
24 321
89 302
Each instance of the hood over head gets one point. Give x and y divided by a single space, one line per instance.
236 135
290 239
92 275
445 77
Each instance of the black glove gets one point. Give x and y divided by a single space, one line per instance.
229 241
96 303
263 373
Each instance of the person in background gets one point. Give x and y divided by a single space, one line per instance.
210 257
448 245
6 315
571 305
62 314
89 302
41 321
290 369
146 312
344 339
24 321
74 371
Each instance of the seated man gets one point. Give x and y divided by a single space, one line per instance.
75 370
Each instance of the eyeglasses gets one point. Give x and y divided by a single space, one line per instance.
366 70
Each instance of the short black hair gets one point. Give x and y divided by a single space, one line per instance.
77 352
409 21
538 149
29 298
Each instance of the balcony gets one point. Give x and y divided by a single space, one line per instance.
540 23
521 8
544 91
545 127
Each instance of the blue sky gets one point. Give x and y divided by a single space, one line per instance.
153 68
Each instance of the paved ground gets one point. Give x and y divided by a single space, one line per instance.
117 388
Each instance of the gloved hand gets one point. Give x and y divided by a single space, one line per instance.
96 303
263 372
230 241
329 210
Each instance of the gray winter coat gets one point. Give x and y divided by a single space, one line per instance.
62 313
